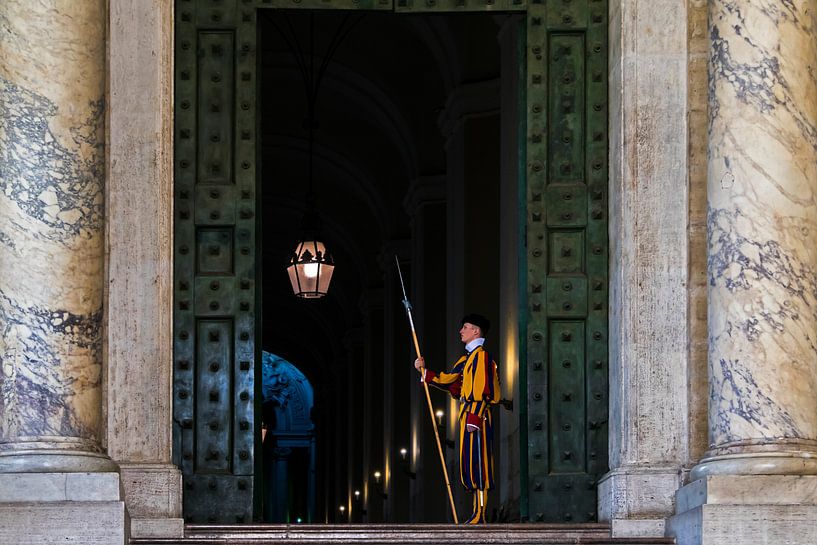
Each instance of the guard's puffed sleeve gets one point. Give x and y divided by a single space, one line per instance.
448 382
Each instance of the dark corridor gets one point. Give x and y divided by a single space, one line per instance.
381 134
473 147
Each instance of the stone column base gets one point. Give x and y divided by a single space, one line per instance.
757 509
51 508
58 455
157 527
636 500
153 493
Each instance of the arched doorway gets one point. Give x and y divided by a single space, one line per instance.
541 237
288 438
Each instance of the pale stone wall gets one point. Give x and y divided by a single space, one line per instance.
139 204
649 264
139 252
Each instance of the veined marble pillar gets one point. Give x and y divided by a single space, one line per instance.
56 482
762 223
52 83
758 481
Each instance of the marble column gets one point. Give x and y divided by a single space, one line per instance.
51 228
56 482
757 483
762 224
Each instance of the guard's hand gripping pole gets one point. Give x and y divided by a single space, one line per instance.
428 396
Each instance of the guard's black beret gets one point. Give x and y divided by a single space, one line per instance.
478 320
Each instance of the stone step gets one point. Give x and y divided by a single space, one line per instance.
406 534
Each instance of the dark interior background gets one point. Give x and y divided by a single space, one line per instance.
378 111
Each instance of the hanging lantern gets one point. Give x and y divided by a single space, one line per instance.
311 266
310 269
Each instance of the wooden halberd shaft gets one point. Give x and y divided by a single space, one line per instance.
428 396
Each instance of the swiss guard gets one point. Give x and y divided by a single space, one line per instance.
474 381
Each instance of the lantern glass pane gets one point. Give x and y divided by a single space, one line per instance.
319 249
293 279
308 283
311 269
325 277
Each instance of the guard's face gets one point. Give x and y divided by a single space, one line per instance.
469 332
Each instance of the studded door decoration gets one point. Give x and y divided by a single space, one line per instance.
215 260
565 260
566 257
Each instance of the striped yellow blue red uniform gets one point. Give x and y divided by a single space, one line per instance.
473 380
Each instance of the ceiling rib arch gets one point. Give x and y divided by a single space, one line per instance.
435 34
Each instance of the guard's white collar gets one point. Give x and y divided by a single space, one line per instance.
479 341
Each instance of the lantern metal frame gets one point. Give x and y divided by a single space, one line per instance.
310 268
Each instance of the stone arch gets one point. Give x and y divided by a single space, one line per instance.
289 441
290 391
